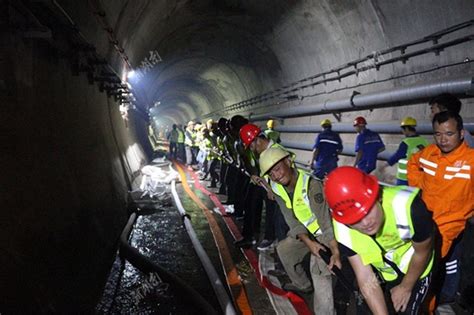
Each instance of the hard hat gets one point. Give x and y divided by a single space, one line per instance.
209 123
270 123
360 121
190 123
248 133
270 157
350 193
325 122
408 121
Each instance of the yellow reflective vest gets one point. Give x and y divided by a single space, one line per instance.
300 202
395 237
413 145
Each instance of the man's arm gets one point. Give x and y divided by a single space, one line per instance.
414 171
369 286
315 155
322 212
358 157
402 292
399 154
423 226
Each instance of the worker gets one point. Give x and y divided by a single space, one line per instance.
271 133
181 155
173 141
388 229
250 195
327 147
411 144
444 171
211 145
300 196
189 142
449 102
368 145
275 226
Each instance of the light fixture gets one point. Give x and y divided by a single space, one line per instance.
131 74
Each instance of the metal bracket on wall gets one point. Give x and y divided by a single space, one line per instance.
338 116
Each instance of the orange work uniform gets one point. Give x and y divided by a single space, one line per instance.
448 189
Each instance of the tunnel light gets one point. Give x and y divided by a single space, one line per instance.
131 74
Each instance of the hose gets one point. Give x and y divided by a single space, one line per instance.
186 293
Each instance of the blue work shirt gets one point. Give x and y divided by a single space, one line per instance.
370 143
328 143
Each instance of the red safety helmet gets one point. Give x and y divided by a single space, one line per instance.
248 133
360 121
350 193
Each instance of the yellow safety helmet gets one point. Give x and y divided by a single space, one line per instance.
408 121
270 123
325 122
270 157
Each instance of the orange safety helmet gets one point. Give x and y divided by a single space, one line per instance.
360 121
350 193
248 133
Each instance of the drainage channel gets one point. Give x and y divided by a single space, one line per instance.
159 236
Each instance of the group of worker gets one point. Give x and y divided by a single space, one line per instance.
403 242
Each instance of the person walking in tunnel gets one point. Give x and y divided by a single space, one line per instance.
271 133
304 207
444 171
275 226
368 145
449 102
385 228
327 147
411 144
173 141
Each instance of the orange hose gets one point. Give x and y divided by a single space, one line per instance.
233 279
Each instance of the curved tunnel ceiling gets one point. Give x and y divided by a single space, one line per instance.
218 53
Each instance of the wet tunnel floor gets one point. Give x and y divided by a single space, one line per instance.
159 234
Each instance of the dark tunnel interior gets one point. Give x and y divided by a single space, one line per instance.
76 120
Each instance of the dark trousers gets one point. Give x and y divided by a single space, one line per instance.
275 224
241 193
212 170
222 175
253 211
230 181
450 266
173 150
181 155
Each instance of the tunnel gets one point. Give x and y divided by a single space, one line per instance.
89 90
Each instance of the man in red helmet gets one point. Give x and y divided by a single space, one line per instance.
368 145
388 229
255 140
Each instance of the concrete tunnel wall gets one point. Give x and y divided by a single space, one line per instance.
69 157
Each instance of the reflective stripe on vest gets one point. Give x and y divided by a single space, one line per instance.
395 236
413 144
300 203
